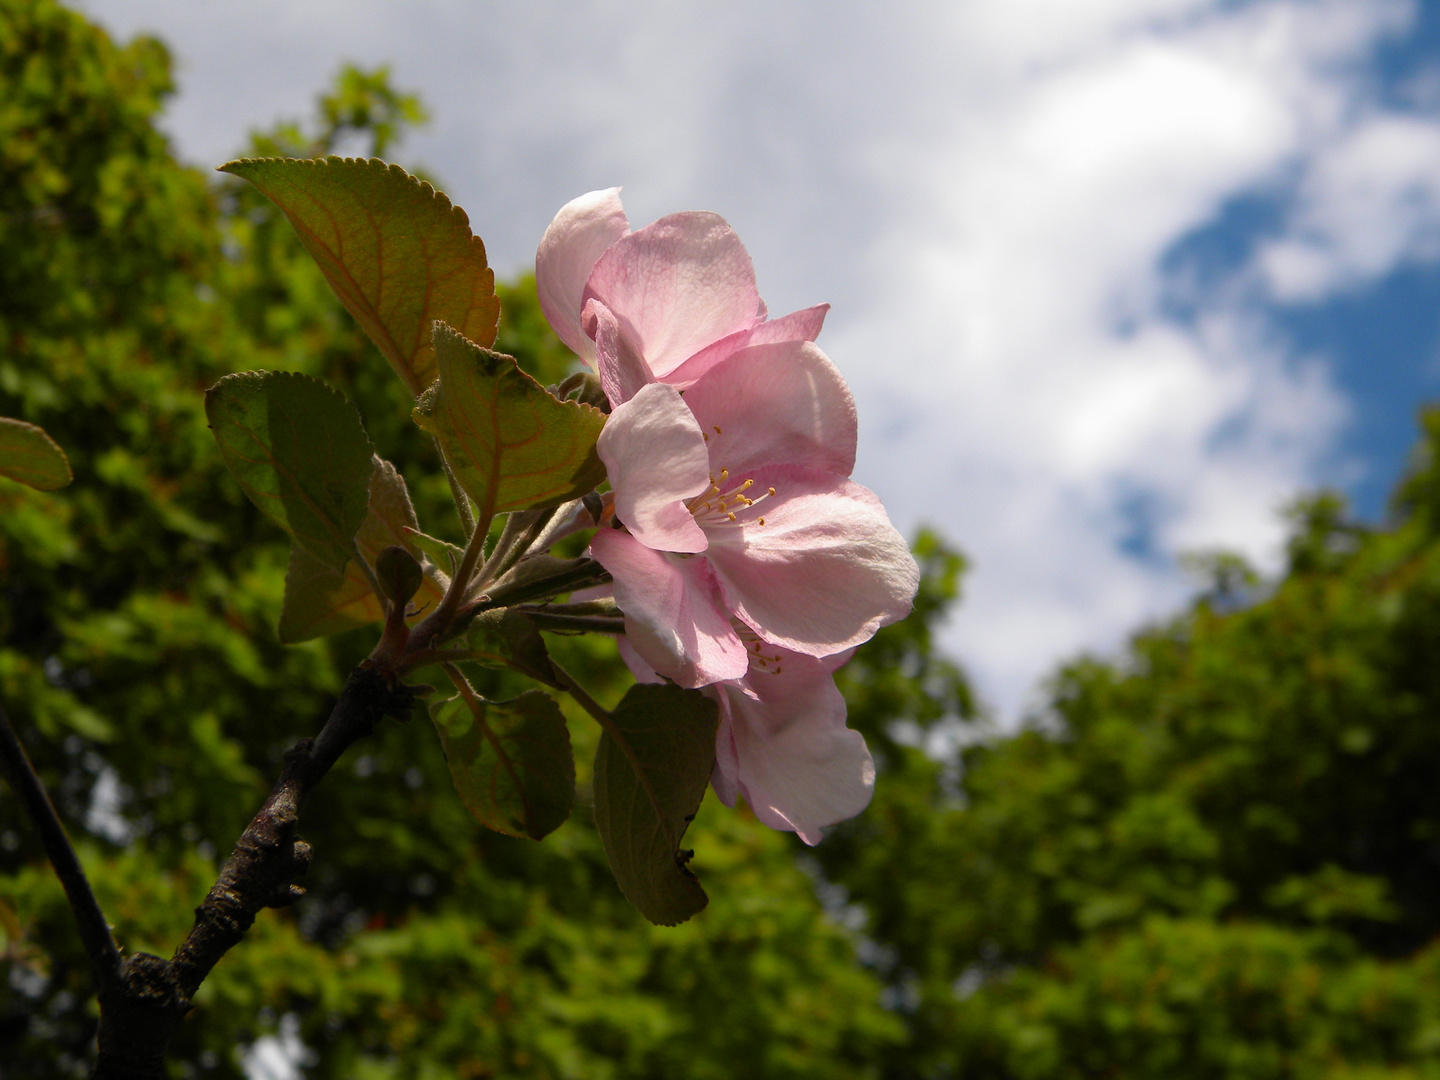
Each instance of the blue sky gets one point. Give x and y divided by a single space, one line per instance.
1112 280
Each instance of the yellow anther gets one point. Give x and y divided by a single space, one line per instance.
724 475
771 491
762 521
717 429
730 516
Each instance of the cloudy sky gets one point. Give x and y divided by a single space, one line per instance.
1112 279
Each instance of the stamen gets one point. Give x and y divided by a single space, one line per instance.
715 500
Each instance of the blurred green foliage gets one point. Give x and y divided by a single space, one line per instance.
1217 856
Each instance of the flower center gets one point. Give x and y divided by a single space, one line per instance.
760 660
722 502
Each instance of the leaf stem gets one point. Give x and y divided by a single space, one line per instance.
369 572
612 729
438 622
462 501
586 702
94 930
511 538
607 724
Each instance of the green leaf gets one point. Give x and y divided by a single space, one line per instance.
510 760
300 453
31 457
512 444
504 637
396 252
440 552
650 775
319 602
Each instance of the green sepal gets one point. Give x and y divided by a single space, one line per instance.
396 252
511 443
650 775
510 760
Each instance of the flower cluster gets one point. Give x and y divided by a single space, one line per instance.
746 561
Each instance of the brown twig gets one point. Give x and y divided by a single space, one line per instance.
141 1009
94 930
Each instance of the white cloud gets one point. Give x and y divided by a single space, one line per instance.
985 191
1076 411
1369 201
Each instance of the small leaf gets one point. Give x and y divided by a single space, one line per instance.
504 637
31 457
319 602
648 784
399 574
440 552
301 454
513 446
510 760
396 252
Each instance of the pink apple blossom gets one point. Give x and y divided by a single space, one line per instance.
664 304
782 741
736 502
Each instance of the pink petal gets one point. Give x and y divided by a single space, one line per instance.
797 326
672 609
679 284
799 767
825 571
578 236
642 671
654 455
725 776
780 404
803 325
623 371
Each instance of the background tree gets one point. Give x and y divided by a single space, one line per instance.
1215 857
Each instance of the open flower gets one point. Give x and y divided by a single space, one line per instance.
782 741
664 304
736 503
